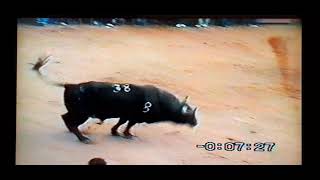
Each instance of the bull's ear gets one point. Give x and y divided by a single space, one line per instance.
185 99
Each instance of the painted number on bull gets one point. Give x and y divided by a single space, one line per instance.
117 88
146 107
126 88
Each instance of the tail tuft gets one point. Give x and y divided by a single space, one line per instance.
40 63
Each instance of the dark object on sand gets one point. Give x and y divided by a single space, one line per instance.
129 102
97 161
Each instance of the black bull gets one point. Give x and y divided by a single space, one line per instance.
136 104
133 103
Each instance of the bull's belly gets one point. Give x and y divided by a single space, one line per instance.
116 114
136 117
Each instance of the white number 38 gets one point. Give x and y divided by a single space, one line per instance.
117 88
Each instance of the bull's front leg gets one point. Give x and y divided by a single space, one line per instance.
114 129
82 138
70 122
127 130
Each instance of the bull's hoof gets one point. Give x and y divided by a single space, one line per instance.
115 133
128 135
86 140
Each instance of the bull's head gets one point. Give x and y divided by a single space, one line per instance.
187 114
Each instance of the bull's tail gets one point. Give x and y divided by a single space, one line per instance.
42 62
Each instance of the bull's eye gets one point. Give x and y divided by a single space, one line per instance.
184 109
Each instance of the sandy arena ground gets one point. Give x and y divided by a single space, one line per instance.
246 81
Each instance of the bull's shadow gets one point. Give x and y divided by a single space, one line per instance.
67 137
98 135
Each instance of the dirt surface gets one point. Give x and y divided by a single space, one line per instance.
245 80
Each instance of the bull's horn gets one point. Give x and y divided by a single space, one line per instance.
185 99
195 111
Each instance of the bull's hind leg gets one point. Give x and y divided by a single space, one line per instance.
72 124
127 130
114 129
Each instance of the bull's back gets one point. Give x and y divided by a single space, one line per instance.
104 100
113 100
